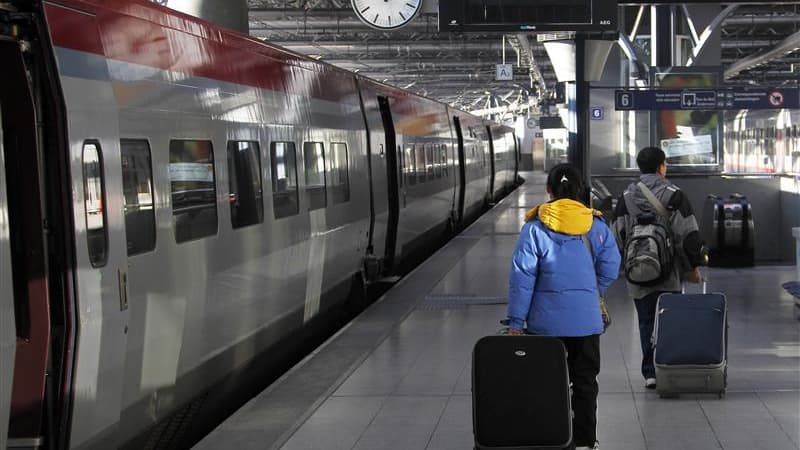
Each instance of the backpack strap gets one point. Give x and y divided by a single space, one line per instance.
654 201
630 205
588 245
604 314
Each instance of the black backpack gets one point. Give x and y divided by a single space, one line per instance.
649 250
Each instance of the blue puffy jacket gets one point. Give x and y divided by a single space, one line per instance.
555 281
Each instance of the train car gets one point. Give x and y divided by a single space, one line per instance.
762 141
418 150
472 139
505 158
185 204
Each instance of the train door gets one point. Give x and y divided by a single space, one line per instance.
24 216
462 176
490 140
8 332
393 181
99 234
517 157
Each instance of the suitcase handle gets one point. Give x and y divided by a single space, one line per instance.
704 281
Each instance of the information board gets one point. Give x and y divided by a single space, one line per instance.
527 15
707 99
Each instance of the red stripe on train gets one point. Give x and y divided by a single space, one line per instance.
144 33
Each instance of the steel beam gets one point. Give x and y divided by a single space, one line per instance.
785 47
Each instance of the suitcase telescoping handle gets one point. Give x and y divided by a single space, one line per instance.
704 282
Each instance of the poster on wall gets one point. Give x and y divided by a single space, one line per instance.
690 138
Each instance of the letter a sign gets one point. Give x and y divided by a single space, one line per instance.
505 72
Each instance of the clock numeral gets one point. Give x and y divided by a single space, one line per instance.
375 20
410 5
364 10
390 19
402 16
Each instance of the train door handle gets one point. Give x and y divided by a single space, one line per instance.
122 278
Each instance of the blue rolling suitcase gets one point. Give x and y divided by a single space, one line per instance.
691 348
520 393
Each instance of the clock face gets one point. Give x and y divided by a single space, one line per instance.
386 14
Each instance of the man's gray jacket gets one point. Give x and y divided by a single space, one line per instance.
688 244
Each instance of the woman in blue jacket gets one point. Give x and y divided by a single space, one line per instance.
556 283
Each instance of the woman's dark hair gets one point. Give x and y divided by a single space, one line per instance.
564 181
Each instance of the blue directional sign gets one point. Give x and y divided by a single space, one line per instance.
707 99
597 112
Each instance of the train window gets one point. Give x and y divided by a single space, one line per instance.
244 180
137 191
419 151
94 203
429 162
436 169
194 197
401 163
340 179
284 179
445 163
411 164
314 163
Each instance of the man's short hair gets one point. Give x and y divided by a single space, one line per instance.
650 159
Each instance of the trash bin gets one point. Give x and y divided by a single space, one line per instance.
730 232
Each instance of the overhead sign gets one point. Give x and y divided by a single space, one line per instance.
707 99
550 122
504 72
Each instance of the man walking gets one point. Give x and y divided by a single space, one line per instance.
658 237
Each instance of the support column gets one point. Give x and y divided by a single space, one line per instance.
578 98
662 35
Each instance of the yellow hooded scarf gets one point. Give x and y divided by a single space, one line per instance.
564 216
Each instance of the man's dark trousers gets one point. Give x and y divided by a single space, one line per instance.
646 310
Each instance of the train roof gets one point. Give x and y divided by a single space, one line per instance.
167 18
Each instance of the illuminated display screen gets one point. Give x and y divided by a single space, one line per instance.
527 12
527 15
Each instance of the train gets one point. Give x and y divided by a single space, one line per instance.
762 141
181 203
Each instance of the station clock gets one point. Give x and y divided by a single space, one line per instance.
386 14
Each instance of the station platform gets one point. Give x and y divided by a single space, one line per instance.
398 376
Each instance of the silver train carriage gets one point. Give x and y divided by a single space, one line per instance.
762 141
179 202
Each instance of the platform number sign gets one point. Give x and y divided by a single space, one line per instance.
597 112
624 101
504 72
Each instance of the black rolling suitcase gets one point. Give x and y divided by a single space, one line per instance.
731 235
520 393
691 344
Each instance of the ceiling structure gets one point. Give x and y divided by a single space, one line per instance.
760 44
